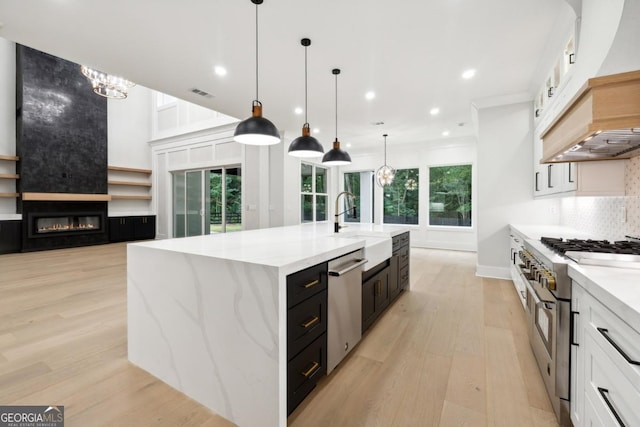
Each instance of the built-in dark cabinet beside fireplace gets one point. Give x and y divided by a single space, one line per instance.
126 228
10 236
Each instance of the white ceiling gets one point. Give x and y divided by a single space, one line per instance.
410 52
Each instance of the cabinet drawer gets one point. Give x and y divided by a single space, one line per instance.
612 393
403 257
304 371
305 322
401 240
616 338
305 283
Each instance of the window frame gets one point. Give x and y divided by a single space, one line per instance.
457 228
314 193
418 224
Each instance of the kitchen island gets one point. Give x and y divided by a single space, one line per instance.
208 314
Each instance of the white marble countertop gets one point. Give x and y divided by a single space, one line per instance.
292 248
617 288
535 232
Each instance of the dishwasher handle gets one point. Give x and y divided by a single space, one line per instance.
356 263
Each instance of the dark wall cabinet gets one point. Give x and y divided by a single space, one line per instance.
306 332
10 236
127 228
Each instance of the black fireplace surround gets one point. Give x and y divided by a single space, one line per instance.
55 225
61 139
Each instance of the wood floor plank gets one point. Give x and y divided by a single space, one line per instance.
451 352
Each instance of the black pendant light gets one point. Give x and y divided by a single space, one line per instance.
336 156
256 130
305 145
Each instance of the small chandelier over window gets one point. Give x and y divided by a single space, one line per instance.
107 85
385 173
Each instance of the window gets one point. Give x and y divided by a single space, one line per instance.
163 100
361 185
450 195
313 190
401 198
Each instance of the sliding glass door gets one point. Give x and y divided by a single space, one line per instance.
207 201
225 187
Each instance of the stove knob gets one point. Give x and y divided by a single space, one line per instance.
551 282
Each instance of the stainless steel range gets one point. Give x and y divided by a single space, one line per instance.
543 267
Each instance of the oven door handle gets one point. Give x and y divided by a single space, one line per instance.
546 305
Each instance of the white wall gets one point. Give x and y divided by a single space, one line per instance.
505 175
129 131
7 122
422 156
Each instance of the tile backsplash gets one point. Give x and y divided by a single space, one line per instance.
607 217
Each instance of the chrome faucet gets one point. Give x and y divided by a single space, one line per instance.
336 217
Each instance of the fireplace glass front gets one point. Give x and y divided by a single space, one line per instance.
67 224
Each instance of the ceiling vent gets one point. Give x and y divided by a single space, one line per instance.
201 93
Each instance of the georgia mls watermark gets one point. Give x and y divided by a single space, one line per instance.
31 416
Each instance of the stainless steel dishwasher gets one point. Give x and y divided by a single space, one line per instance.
344 318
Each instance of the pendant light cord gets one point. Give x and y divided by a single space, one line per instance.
385 150
336 107
306 120
257 98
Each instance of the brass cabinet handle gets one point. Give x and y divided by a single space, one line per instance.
310 322
311 370
311 284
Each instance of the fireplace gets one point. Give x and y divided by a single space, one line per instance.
43 224
55 225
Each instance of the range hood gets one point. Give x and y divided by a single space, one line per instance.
602 122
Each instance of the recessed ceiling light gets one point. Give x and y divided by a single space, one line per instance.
348 145
445 133
298 110
316 130
469 74
370 95
434 111
221 71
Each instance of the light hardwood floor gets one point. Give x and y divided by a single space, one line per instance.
452 352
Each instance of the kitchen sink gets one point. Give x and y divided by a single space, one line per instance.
376 248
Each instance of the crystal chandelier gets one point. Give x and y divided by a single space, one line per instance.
385 173
107 85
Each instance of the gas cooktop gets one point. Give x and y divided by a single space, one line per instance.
561 246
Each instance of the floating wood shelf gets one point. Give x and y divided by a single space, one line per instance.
123 197
132 183
124 169
9 195
9 175
9 158
66 197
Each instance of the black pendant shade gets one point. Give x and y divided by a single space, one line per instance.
336 156
305 145
256 130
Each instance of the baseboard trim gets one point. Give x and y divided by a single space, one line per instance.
493 272
453 246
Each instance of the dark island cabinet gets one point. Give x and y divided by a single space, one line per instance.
375 293
306 332
400 264
10 236
128 228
